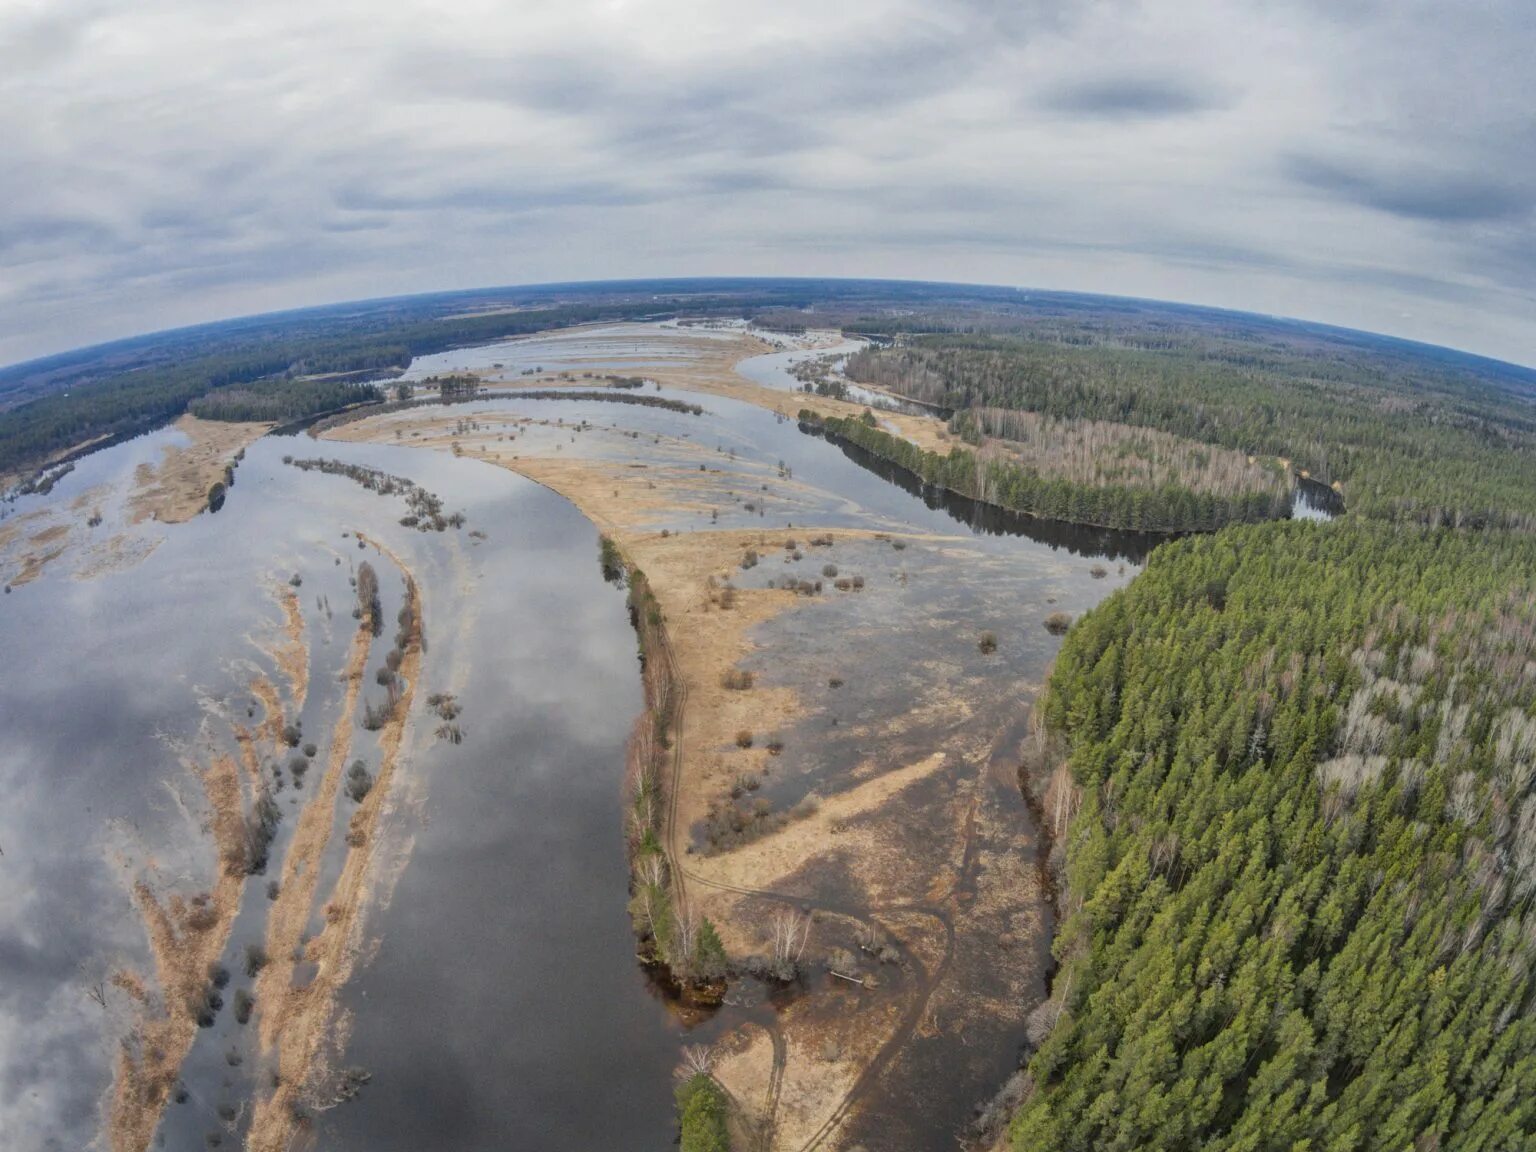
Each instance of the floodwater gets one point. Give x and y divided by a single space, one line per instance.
501 1005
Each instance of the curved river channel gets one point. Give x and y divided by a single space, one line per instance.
497 1002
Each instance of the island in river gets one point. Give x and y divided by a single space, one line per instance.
846 764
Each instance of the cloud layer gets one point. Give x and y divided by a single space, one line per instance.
1369 164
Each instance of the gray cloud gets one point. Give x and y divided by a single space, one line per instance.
1418 193
1130 97
164 168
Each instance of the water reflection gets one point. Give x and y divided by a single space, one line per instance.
992 520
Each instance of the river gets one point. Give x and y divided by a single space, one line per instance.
500 1004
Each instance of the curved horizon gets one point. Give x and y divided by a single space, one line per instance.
1323 327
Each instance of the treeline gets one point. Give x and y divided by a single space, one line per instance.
112 401
1300 874
462 396
671 934
1409 440
1098 453
281 399
1001 481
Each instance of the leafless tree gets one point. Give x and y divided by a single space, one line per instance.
696 1060
790 931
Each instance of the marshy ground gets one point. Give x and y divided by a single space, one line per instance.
849 749
858 670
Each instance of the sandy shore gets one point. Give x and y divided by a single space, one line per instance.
919 851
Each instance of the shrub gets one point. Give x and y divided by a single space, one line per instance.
702 1115
310 750
775 744
835 682
749 558
244 1002
359 781
292 735
1098 571
829 571
737 680
987 643
1058 622
255 959
744 738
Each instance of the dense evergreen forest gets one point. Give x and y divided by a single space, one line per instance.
1405 438
1004 480
281 398
1299 879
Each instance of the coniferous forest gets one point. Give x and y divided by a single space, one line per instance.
1298 882
1288 772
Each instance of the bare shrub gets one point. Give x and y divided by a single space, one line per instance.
359 781
737 679
255 959
987 643
744 738
1057 623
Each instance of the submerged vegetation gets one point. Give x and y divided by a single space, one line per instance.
424 509
1299 878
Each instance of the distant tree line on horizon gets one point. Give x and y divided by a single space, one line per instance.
268 372
1422 444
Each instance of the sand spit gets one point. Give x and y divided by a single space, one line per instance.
176 489
186 937
917 863
300 1023
188 934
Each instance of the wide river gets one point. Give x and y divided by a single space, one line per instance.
500 1005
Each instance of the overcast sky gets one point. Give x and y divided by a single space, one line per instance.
1370 164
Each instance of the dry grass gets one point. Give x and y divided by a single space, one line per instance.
301 1024
185 937
865 834
176 489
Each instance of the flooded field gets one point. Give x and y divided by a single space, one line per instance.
447 958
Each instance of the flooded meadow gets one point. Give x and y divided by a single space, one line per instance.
223 932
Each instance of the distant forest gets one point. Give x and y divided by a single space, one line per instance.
1413 440
1408 431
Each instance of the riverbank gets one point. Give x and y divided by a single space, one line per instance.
846 811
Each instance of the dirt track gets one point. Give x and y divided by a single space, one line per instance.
920 847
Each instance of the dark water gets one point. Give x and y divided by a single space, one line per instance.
992 520
503 1007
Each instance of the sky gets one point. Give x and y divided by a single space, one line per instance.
1369 164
